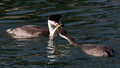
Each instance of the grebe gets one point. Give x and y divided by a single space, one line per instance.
90 49
28 31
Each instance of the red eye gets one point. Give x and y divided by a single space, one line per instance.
54 22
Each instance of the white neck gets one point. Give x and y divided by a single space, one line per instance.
50 26
65 38
69 39
53 33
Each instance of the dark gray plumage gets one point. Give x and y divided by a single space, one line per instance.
36 30
97 50
28 31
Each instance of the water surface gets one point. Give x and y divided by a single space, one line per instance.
87 22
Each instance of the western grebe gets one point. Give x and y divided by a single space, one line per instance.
28 31
90 49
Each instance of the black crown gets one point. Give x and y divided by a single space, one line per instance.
55 18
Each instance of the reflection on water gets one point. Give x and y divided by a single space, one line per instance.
54 53
87 21
51 51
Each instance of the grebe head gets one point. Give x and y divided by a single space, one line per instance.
63 33
54 20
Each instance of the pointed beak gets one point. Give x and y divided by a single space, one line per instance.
60 25
57 24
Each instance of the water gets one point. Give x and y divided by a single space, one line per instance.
87 21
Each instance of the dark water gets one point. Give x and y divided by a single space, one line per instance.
87 21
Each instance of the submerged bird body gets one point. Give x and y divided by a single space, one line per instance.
90 49
28 31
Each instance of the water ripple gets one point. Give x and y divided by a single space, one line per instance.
60 12
20 12
87 21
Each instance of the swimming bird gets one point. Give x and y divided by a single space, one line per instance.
90 49
28 31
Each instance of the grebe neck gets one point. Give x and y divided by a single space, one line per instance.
71 41
51 27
